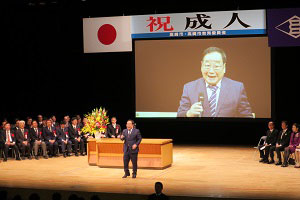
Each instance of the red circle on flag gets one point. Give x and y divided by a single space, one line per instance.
107 34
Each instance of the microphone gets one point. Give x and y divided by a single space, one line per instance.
201 100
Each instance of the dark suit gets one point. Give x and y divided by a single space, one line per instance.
131 154
22 137
63 136
271 142
50 135
35 137
158 197
55 125
13 144
40 125
74 134
111 131
232 100
283 140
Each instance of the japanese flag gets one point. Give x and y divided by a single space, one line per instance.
107 34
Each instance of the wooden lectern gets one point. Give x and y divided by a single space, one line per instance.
108 152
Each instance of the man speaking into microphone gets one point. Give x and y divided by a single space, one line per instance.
132 138
214 95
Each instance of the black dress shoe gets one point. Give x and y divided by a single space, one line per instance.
261 160
271 162
29 157
65 155
18 158
266 161
76 154
23 158
284 165
4 159
45 157
133 175
278 163
125 176
36 157
50 156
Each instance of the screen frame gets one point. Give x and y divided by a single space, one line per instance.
209 119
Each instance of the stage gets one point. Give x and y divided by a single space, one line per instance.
197 171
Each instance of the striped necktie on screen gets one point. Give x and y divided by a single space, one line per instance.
213 100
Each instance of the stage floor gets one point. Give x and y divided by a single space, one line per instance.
198 171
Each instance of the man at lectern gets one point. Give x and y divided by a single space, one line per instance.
132 138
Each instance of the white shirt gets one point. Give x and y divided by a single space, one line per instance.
283 132
129 131
210 91
8 133
114 125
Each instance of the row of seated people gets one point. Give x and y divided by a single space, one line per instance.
113 129
25 141
48 135
285 141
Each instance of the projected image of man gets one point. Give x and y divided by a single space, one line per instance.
214 95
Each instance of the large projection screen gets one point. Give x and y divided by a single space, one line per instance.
211 77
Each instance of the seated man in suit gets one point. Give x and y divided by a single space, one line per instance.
113 129
79 121
23 140
40 121
283 140
132 139
67 120
15 126
272 135
214 95
54 123
28 123
63 139
8 139
3 124
50 138
75 137
37 140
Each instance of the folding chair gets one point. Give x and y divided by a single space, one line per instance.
263 138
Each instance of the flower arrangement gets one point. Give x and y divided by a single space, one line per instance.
96 121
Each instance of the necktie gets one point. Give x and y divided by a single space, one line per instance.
213 100
129 132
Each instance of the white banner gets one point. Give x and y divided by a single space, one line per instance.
199 24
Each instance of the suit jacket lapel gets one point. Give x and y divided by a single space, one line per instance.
222 95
